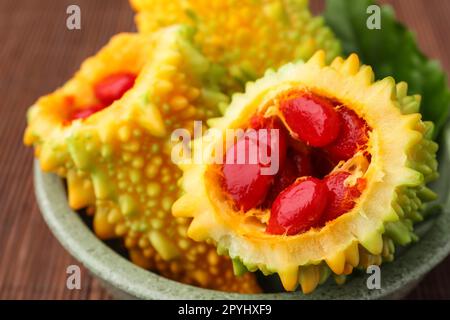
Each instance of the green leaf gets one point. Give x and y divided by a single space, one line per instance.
391 51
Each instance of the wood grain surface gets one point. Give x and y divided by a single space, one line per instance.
37 54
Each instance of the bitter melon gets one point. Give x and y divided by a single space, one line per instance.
354 158
246 36
132 93
125 150
53 117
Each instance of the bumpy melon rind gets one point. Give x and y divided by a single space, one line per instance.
48 129
246 37
132 173
395 188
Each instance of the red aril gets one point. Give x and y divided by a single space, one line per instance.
86 112
285 177
353 135
113 87
297 164
107 91
262 125
243 178
312 119
341 197
298 208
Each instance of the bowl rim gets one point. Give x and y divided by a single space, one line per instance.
133 281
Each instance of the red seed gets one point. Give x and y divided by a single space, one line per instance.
243 179
264 126
299 207
113 87
86 112
312 119
341 198
297 164
287 175
259 122
353 135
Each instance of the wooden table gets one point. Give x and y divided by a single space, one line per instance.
37 54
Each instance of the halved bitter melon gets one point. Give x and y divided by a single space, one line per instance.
379 200
53 117
245 36
125 150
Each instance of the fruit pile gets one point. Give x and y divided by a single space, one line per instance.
107 130
351 156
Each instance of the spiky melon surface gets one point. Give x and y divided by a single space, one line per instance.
402 161
117 160
125 150
48 127
245 36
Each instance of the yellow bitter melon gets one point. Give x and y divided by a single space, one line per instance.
125 150
402 162
247 37
49 119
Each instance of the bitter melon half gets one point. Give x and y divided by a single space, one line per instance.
244 36
353 155
53 117
127 100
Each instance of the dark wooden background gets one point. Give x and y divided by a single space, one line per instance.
37 54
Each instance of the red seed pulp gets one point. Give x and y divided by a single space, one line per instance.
86 112
313 119
303 163
285 177
107 91
243 179
353 135
297 164
341 197
113 87
322 135
298 207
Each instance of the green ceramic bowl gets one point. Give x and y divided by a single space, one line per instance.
126 280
